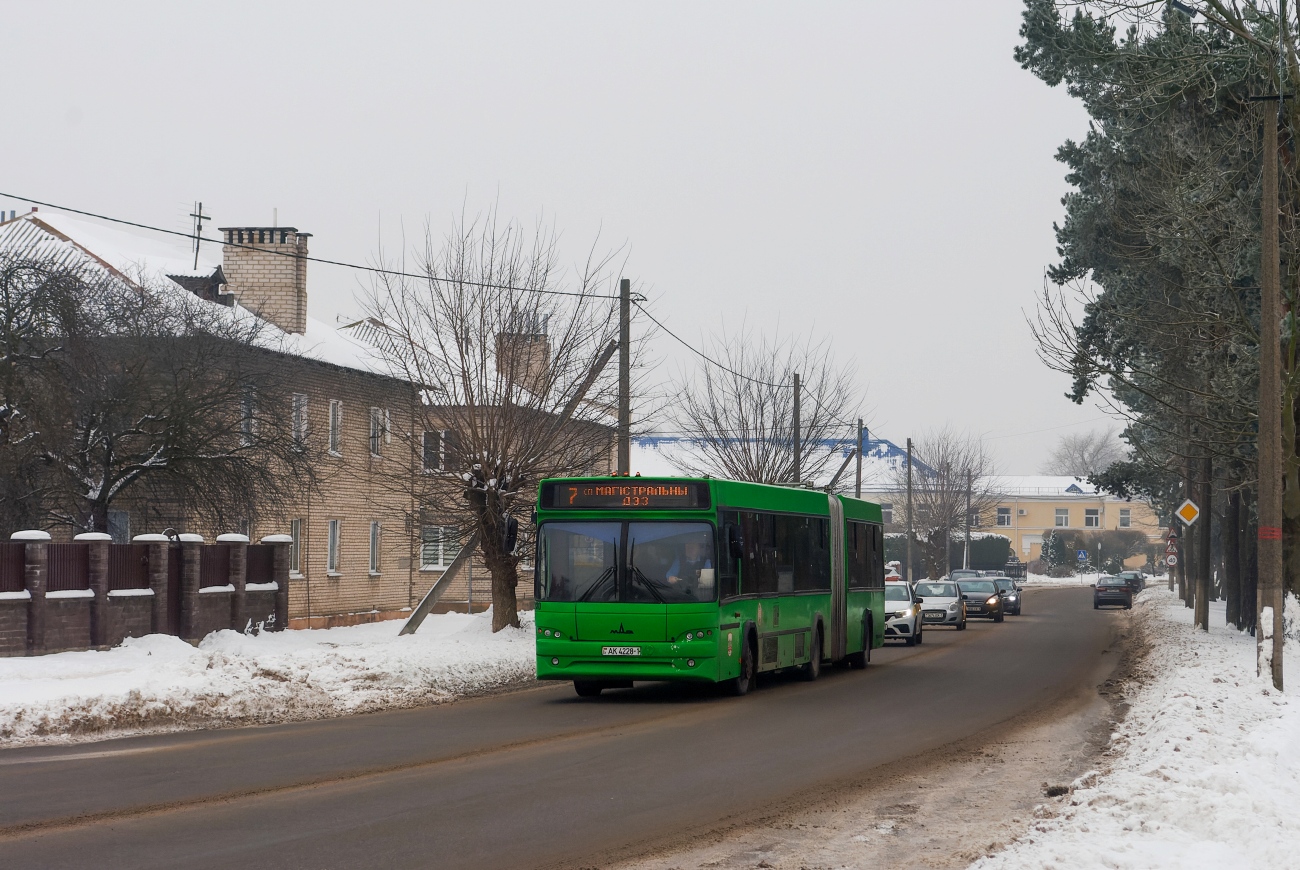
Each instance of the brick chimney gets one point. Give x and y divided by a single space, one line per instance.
266 268
524 354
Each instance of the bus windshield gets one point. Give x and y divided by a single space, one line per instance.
633 562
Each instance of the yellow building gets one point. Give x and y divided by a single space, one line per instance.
1028 507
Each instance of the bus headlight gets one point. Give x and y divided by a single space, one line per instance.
555 661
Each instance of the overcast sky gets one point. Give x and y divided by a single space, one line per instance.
881 174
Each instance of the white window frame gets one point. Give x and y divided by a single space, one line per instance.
376 532
332 548
299 419
444 556
295 548
380 431
1062 518
336 428
1092 518
442 450
1004 516
1125 518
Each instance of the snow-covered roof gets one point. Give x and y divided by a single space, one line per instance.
661 454
1041 485
130 253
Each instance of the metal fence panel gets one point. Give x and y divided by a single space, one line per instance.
69 567
214 565
13 558
260 565
128 566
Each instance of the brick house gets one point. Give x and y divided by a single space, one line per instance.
360 551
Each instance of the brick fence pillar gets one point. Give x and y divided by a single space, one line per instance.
238 578
191 547
35 574
158 548
280 574
97 544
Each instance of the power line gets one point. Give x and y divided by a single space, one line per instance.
375 269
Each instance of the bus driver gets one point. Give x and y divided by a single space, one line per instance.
689 567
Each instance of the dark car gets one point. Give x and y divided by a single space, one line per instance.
1011 594
982 599
1135 579
1112 591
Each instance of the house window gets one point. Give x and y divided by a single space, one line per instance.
374 547
887 512
332 553
434 458
1125 518
299 419
1004 516
1062 518
295 547
336 427
974 519
119 526
247 418
1092 518
379 433
438 547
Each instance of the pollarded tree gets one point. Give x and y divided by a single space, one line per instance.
504 352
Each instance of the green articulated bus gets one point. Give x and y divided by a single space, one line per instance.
703 580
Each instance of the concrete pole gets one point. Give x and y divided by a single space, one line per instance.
857 484
624 376
797 446
907 567
965 551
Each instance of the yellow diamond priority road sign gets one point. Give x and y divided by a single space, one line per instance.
1188 512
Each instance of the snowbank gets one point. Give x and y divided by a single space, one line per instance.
160 683
1204 772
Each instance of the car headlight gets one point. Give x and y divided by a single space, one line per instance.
992 601
899 614
953 606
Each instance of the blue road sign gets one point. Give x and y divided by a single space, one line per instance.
1081 555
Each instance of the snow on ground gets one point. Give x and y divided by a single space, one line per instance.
160 683
1204 772
1085 579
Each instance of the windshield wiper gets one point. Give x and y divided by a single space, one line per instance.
649 584
597 583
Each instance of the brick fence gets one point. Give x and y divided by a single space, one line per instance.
92 593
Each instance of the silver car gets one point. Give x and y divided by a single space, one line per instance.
902 614
941 604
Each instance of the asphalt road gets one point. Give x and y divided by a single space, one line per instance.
532 778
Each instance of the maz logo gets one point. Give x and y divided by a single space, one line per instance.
619 630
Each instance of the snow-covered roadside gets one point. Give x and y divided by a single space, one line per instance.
1204 772
1072 580
160 683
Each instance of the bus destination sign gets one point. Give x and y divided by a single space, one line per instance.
626 494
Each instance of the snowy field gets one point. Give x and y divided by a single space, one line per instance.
1203 773
160 683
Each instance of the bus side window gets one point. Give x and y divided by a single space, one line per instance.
729 565
877 557
758 567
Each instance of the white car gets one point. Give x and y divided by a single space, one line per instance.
941 604
902 614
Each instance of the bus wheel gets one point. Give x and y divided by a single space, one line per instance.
862 658
744 683
586 688
813 669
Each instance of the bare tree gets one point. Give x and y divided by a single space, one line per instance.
741 413
125 392
1079 454
501 349
953 469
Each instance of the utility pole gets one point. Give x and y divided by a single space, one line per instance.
857 486
624 376
797 446
965 552
1203 554
907 567
1268 633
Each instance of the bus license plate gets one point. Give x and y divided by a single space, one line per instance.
620 650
